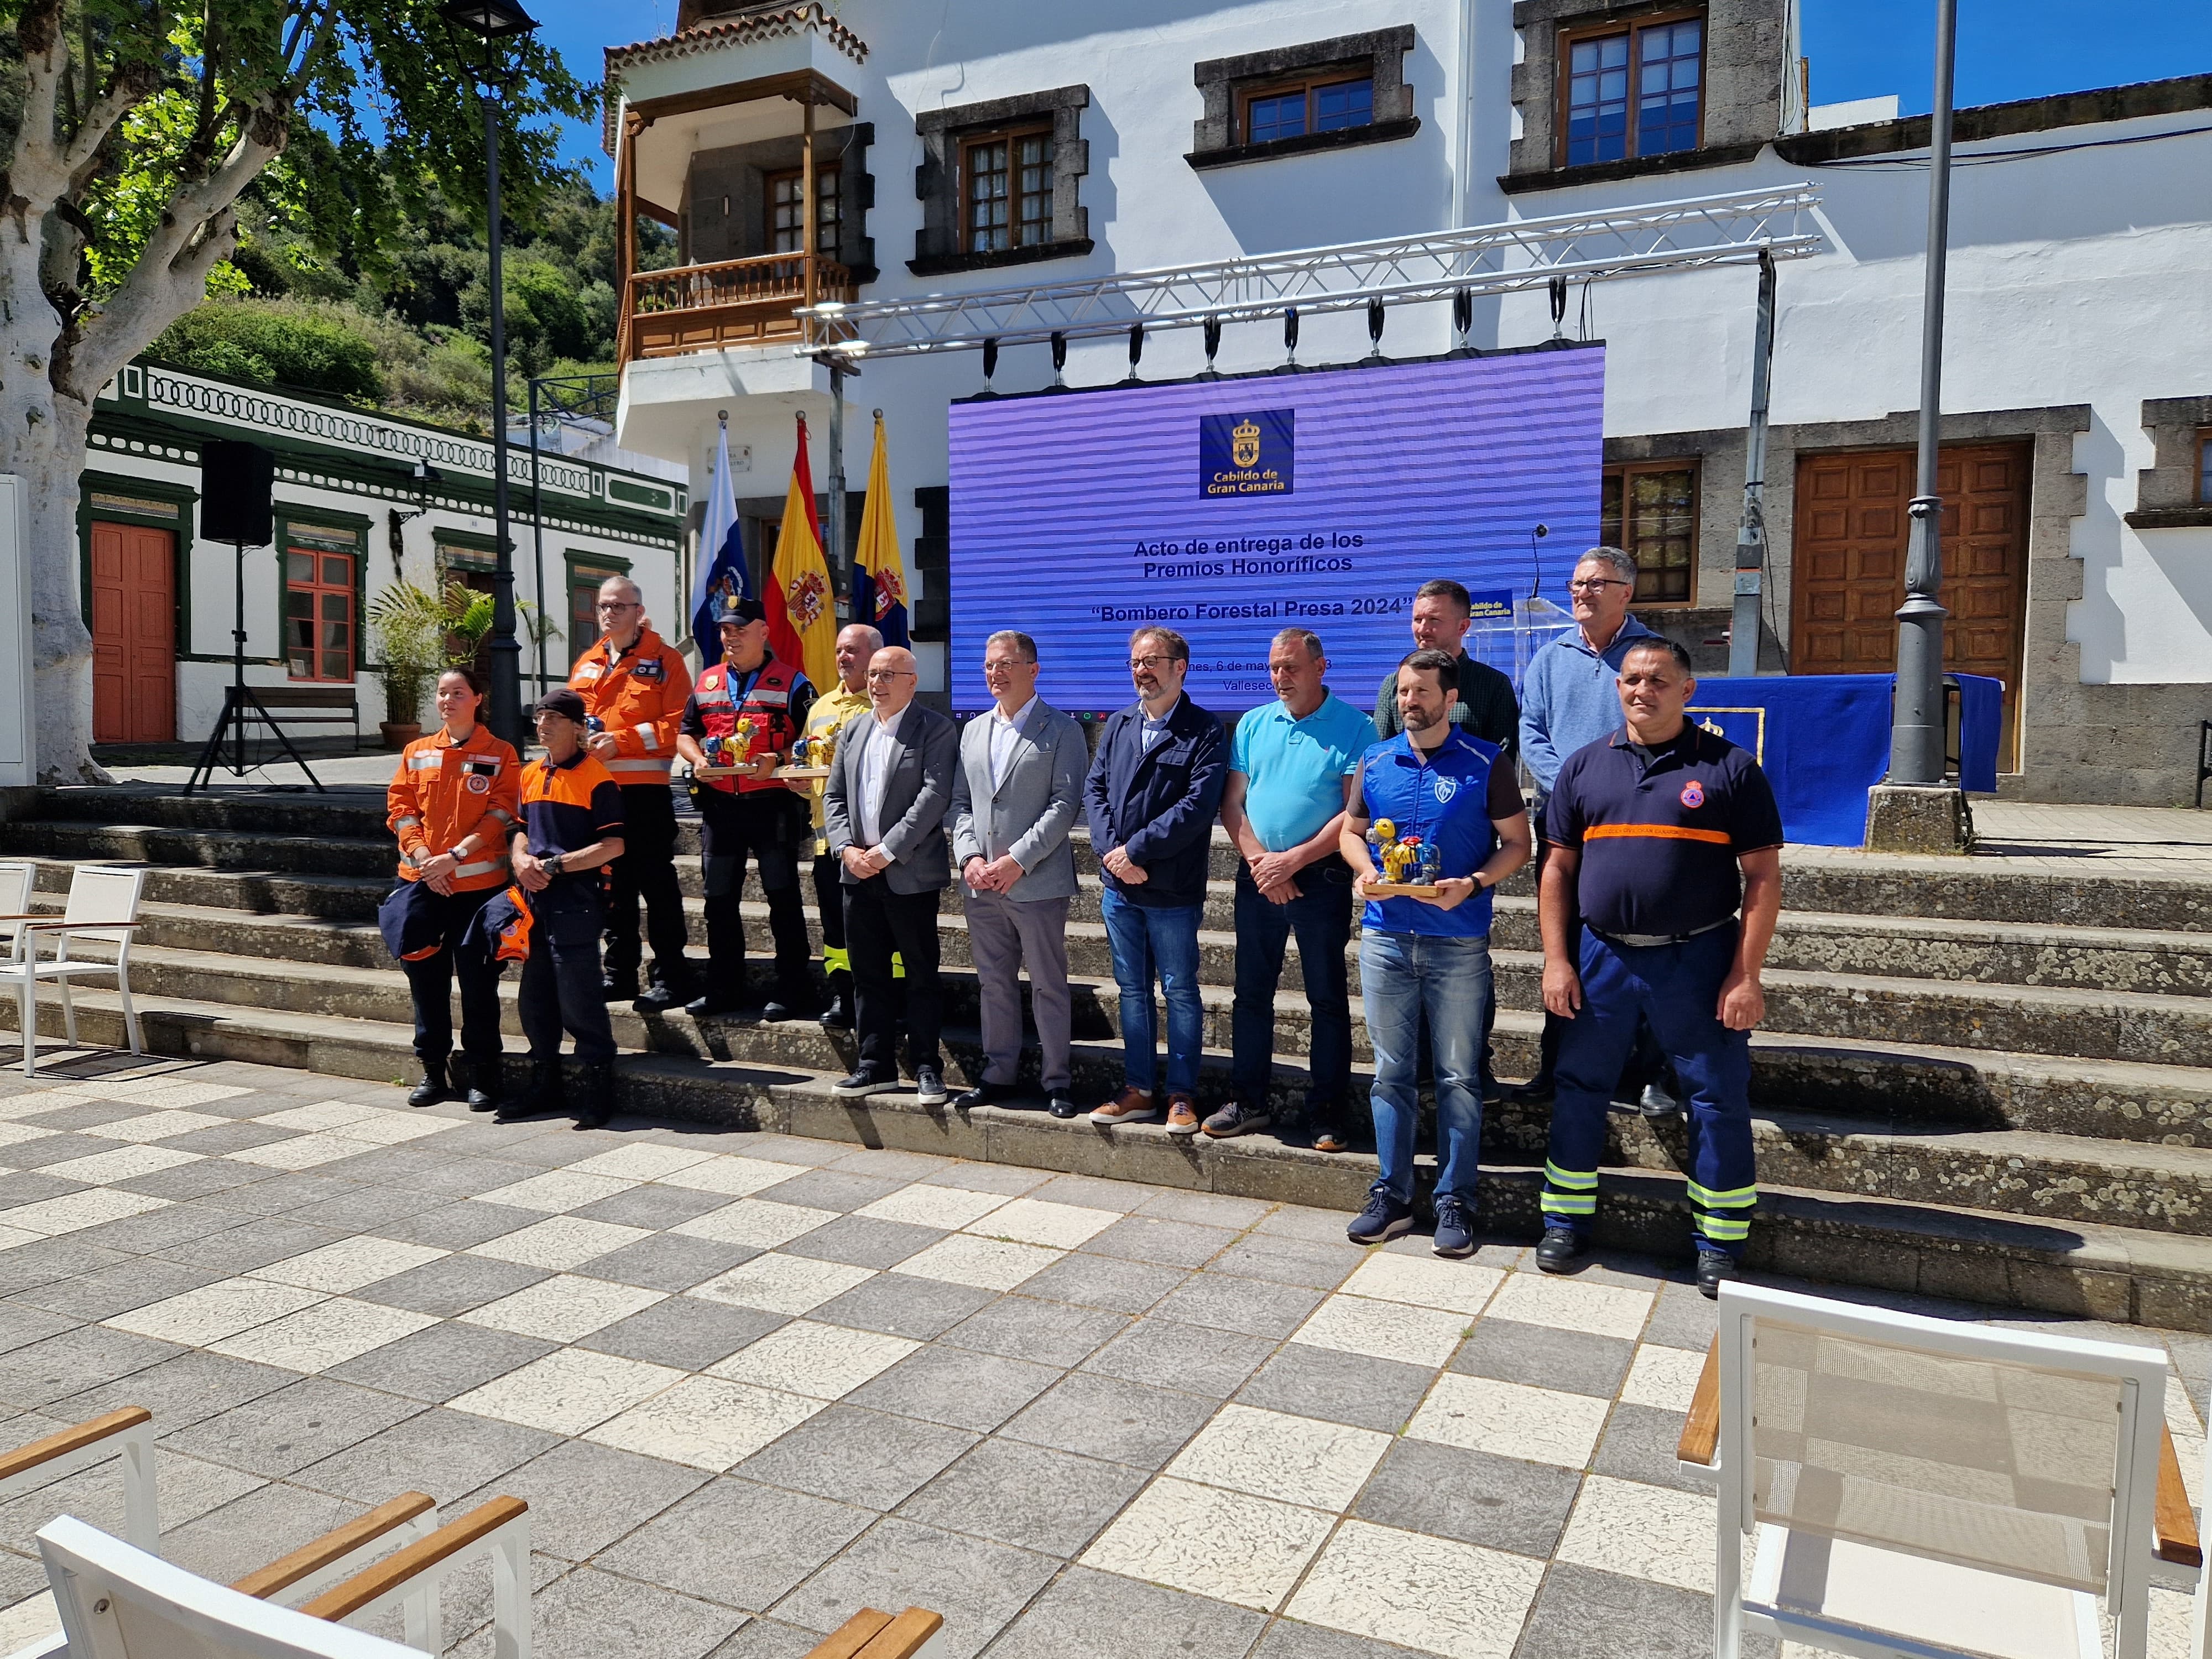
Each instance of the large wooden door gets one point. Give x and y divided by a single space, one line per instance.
134 638
1847 564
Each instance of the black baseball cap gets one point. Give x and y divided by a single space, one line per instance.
564 703
741 609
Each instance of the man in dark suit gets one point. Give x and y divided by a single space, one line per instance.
883 811
1154 786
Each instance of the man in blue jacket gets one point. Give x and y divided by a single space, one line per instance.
1154 786
1571 698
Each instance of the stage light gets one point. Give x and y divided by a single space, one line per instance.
1462 315
990 361
1059 358
1136 347
1212 342
1290 337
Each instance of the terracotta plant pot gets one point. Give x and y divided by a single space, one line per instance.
398 734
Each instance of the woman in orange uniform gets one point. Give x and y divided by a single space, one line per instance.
453 802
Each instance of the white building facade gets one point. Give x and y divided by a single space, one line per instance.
361 500
2078 367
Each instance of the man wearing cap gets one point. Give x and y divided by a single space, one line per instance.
633 683
747 812
856 643
572 828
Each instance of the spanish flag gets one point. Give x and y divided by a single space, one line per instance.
878 573
802 611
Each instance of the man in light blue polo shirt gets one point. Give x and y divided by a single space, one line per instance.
1290 766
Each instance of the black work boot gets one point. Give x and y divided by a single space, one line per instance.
669 987
838 1016
434 1087
596 1095
543 1094
483 1084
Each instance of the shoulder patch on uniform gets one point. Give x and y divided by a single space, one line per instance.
651 669
1693 793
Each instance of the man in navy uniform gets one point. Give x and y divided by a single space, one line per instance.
1658 834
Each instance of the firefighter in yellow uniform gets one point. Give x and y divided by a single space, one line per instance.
633 686
452 804
856 643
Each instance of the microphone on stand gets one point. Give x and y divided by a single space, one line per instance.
1536 533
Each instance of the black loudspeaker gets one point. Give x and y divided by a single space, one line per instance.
235 481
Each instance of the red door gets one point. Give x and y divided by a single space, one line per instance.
134 639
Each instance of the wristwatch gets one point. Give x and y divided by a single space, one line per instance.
553 865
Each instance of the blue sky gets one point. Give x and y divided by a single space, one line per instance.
1859 48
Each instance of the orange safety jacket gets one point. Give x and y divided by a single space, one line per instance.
638 699
464 799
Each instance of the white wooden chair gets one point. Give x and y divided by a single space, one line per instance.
103 908
1923 1488
18 881
179 1615
129 1433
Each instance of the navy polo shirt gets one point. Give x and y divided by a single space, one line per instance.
1660 839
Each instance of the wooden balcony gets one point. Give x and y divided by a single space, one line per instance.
737 302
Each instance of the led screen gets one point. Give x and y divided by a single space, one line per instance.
1231 508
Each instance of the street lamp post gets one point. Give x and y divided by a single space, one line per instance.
1914 810
492 22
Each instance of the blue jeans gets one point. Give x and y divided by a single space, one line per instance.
1321 918
1165 941
1403 977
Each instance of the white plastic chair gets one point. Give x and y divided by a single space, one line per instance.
1925 1488
18 882
128 1431
117 1601
102 906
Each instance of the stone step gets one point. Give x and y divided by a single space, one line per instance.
1923 1088
2088 1025
1820 879
2094 1269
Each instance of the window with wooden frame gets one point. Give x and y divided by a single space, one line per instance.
320 599
1637 90
2204 468
584 577
783 193
1328 101
1651 509
1005 190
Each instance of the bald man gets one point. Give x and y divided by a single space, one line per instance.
883 810
633 685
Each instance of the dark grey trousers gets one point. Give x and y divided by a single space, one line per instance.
1004 936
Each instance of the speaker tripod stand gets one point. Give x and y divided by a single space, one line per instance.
241 704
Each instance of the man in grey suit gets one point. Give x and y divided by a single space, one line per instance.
883 810
1015 796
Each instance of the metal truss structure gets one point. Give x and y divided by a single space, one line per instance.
1603 245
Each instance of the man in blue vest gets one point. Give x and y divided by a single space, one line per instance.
1429 956
1658 834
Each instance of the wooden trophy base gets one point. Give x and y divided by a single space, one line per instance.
1402 890
801 772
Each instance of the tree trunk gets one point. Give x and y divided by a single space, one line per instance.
43 442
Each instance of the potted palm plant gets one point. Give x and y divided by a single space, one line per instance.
406 620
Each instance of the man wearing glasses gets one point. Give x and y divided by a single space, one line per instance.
633 685
890 786
1151 795
1016 793
1569 698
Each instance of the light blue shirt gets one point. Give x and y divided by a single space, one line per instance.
1571 698
1294 770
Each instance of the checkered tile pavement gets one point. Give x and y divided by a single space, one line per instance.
749 1383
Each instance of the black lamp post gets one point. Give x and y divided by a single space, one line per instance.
492 22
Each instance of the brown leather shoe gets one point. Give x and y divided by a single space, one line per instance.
1182 1115
1130 1106
1332 1138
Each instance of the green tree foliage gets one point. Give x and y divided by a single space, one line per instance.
419 308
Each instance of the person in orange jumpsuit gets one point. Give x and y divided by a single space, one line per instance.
452 804
635 685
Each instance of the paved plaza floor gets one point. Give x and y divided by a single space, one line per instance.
750 1384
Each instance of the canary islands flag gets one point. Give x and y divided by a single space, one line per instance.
878 572
722 572
802 611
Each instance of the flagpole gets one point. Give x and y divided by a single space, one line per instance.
834 554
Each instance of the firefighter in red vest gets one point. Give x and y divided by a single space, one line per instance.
748 710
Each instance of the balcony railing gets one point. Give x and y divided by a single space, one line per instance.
735 302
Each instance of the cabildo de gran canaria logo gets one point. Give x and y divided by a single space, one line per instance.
1247 454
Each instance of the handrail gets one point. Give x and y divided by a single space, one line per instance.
727 282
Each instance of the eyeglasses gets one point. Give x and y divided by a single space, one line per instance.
1594 584
1004 667
1135 663
889 673
618 604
